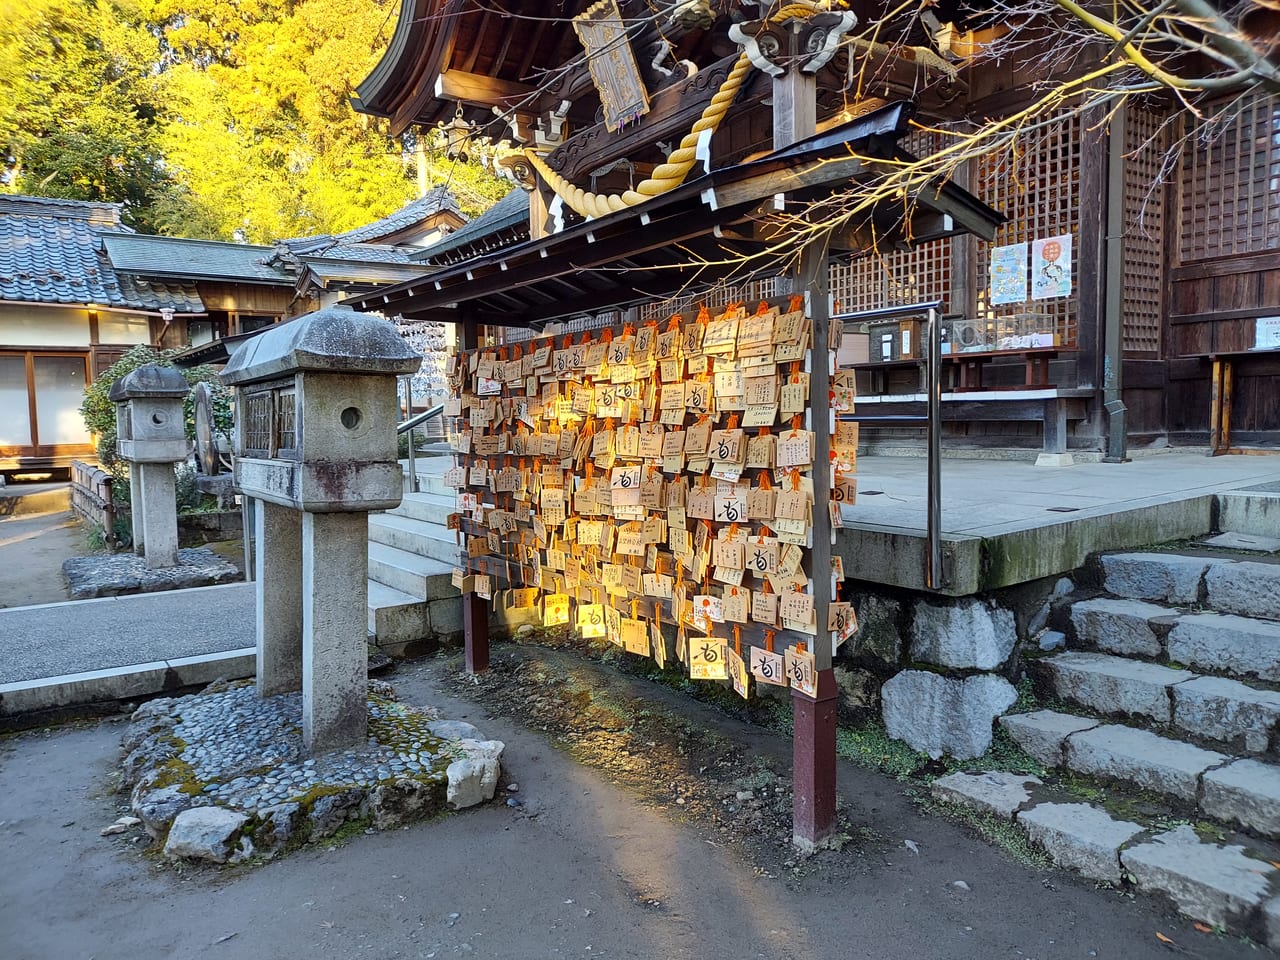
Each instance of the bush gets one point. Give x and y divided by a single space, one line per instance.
100 413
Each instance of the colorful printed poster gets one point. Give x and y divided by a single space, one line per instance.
1051 267
1009 274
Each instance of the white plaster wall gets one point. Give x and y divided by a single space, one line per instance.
44 327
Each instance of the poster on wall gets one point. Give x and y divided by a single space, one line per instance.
1266 333
1009 274
1051 267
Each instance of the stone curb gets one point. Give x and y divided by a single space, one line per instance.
1211 883
124 683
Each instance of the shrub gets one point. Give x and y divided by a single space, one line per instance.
100 413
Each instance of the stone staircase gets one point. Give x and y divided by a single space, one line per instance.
413 605
1168 696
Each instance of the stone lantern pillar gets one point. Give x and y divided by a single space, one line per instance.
151 439
315 441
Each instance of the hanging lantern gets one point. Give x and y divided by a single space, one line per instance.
457 135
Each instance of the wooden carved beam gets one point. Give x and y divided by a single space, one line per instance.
671 114
483 90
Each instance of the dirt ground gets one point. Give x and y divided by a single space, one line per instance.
31 553
600 858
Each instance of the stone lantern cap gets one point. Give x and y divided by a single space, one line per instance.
151 382
334 340
316 412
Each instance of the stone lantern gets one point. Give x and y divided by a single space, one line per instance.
316 449
150 436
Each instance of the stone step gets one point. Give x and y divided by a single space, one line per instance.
431 483
425 539
427 507
1255 512
1114 685
1238 716
1248 588
1224 885
1222 643
1121 625
1167 577
395 617
1236 790
410 573
1229 712
1141 758
1226 643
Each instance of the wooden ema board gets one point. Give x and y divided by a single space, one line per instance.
654 477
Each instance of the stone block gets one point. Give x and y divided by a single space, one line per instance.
1248 588
1142 758
995 792
444 617
1227 644
1271 922
157 809
1040 619
278 824
1114 685
1052 640
1254 513
1227 710
859 689
440 587
969 634
204 833
1154 576
938 715
454 730
1043 733
1080 836
403 800
331 810
877 634
474 778
1218 885
1118 626
1246 792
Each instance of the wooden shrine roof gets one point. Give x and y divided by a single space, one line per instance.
703 232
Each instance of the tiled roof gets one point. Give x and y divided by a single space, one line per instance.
194 259
50 252
509 215
328 270
368 252
438 200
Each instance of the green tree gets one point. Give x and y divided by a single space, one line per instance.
262 138
219 119
100 413
79 117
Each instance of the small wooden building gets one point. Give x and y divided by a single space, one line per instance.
65 316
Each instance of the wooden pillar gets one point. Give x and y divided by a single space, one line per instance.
475 609
475 626
814 728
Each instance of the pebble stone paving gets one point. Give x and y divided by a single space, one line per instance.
248 751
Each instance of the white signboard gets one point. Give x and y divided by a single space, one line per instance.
1266 333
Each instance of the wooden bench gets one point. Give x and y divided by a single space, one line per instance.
968 368
1054 408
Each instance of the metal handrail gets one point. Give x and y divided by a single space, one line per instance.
418 419
408 425
934 574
